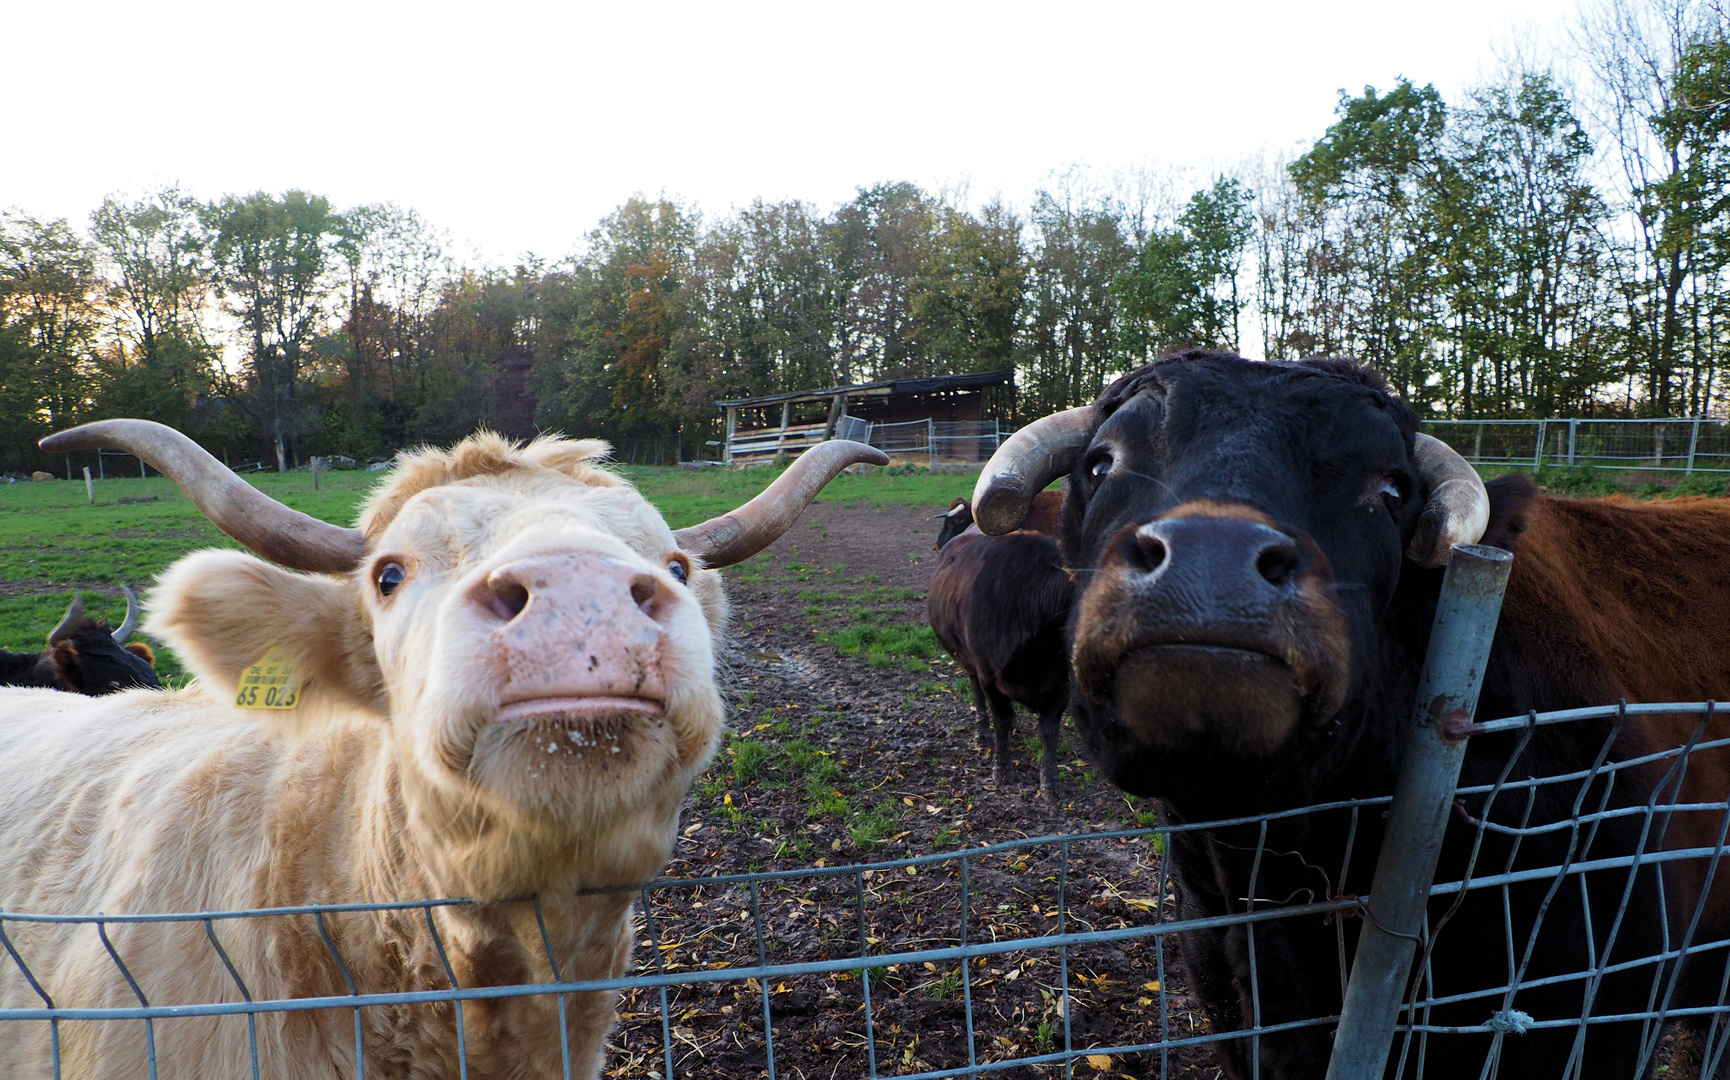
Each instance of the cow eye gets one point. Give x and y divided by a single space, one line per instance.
676 567
1390 493
1100 467
390 575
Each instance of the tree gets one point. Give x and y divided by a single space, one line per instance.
1081 248
274 260
1183 287
162 363
966 302
1521 256
1373 176
1654 66
50 313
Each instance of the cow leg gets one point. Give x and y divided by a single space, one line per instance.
981 715
1003 720
1050 734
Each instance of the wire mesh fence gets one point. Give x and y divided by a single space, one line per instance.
1055 954
957 442
1686 446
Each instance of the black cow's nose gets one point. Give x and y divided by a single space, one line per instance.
1229 555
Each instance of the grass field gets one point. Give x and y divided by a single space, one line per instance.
53 541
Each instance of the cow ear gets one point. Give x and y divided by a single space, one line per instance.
223 611
142 651
63 660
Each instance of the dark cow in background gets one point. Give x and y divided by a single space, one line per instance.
999 605
1259 547
85 657
1043 516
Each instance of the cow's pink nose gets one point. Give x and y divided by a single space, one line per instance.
592 582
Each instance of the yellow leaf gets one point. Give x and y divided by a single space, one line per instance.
1154 986
728 800
1101 1062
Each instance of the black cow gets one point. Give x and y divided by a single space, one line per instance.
1259 548
999 604
85 657
1043 516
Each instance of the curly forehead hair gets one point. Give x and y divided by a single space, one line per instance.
1127 386
484 453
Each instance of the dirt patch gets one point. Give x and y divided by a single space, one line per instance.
39 586
852 743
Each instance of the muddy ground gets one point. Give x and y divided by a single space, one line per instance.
852 743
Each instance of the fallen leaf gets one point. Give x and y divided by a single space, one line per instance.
1154 986
1101 1062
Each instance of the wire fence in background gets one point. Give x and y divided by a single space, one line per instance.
1685 446
939 442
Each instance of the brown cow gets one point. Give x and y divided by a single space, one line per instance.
1258 550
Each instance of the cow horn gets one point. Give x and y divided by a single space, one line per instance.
285 537
74 613
736 536
960 507
130 623
1458 508
1027 461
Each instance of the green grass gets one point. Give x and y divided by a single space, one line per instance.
871 827
909 644
749 757
52 540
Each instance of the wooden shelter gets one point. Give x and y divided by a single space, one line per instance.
788 423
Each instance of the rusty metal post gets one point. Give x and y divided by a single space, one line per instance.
1465 624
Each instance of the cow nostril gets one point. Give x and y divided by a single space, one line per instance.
643 589
1278 564
509 597
1145 551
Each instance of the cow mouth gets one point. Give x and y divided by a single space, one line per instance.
1243 701
577 708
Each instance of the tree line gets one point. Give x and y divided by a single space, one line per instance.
1523 251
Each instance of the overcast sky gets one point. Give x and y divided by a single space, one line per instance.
517 125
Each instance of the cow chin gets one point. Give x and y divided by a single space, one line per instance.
577 758
1183 696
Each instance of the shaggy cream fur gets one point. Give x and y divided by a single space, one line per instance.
394 779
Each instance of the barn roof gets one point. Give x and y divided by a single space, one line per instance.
883 388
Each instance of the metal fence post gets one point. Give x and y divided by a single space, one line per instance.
1465 623
931 442
1693 442
1538 456
1573 439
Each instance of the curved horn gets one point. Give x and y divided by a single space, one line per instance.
736 536
960 507
130 623
285 537
1027 461
74 613
1458 508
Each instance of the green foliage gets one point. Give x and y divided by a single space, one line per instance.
1182 288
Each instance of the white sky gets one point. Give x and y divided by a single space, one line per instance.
517 125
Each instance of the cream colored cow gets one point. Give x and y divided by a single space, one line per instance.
505 686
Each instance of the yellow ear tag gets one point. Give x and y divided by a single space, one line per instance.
270 683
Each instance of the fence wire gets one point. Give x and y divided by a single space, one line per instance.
1053 955
1685 446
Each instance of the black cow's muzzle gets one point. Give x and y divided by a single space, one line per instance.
1211 626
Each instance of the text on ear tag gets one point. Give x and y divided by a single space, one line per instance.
270 683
